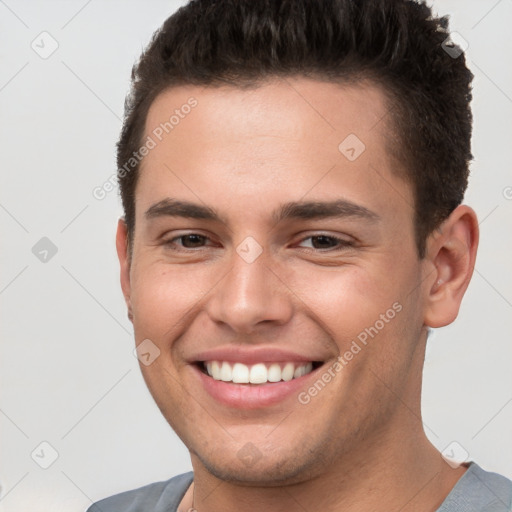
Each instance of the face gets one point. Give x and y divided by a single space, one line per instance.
274 239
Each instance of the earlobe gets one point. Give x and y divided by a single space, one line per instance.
451 253
124 262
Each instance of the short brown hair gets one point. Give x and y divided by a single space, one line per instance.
398 44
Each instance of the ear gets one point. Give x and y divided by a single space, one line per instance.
450 260
124 262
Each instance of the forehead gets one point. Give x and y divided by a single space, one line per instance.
291 136
318 107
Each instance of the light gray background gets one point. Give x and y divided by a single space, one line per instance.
68 375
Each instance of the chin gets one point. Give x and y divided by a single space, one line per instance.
249 467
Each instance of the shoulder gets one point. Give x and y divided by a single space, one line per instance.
155 497
479 491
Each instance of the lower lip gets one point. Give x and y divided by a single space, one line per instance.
252 396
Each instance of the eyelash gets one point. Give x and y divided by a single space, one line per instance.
342 243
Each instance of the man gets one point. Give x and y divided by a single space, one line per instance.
292 175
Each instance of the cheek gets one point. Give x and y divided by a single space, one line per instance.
371 313
163 298
345 300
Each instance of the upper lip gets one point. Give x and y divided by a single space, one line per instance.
237 354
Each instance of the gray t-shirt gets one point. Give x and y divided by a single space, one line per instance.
476 491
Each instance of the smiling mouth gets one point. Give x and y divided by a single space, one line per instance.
259 373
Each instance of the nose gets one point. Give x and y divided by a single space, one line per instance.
250 295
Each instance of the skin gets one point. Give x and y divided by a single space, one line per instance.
359 444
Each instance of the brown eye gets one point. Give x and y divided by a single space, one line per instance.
189 241
194 240
327 242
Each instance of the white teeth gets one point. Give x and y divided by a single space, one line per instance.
274 373
240 373
259 373
287 372
226 374
214 370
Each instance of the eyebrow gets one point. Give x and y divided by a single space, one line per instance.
303 210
